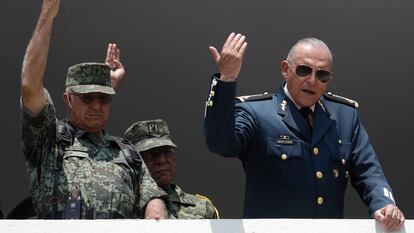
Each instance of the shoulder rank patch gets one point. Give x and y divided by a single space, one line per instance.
215 209
341 99
263 96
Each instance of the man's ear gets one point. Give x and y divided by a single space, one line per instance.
66 99
284 66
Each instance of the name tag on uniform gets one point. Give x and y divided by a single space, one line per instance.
284 140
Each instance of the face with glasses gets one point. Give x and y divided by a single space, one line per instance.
307 74
161 164
88 111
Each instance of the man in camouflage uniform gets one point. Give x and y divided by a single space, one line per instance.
75 168
152 139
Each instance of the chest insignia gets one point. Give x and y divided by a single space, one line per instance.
283 105
284 140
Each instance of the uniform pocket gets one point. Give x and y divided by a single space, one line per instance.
285 162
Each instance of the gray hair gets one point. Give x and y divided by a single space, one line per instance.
310 41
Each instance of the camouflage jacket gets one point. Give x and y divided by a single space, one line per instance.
93 169
182 205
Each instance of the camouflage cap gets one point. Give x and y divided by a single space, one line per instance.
89 77
149 134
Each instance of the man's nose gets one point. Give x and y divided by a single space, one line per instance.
96 104
312 78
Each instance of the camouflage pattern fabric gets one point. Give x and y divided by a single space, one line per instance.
92 168
89 77
182 205
149 134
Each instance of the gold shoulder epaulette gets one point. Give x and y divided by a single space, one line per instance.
263 96
215 209
341 99
203 197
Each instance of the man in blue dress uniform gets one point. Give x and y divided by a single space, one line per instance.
298 146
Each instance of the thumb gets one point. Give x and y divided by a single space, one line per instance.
378 215
118 64
214 53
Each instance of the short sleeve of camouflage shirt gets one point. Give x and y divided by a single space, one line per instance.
38 142
38 131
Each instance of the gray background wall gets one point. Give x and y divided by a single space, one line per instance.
165 50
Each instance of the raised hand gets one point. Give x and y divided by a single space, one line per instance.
230 59
113 60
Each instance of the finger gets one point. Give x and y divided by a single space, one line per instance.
239 43
234 41
395 220
228 41
401 219
118 64
388 214
242 49
378 215
118 54
108 54
214 53
113 49
390 217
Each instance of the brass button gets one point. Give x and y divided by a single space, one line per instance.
315 151
212 93
343 161
320 200
283 156
319 174
210 103
335 173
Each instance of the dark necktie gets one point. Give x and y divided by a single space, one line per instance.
308 115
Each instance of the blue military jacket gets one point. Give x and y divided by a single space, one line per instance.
291 170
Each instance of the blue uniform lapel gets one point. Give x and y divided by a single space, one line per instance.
291 115
322 121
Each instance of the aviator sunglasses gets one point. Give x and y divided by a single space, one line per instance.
90 98
304 70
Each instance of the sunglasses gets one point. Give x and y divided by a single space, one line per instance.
322 75
90 98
